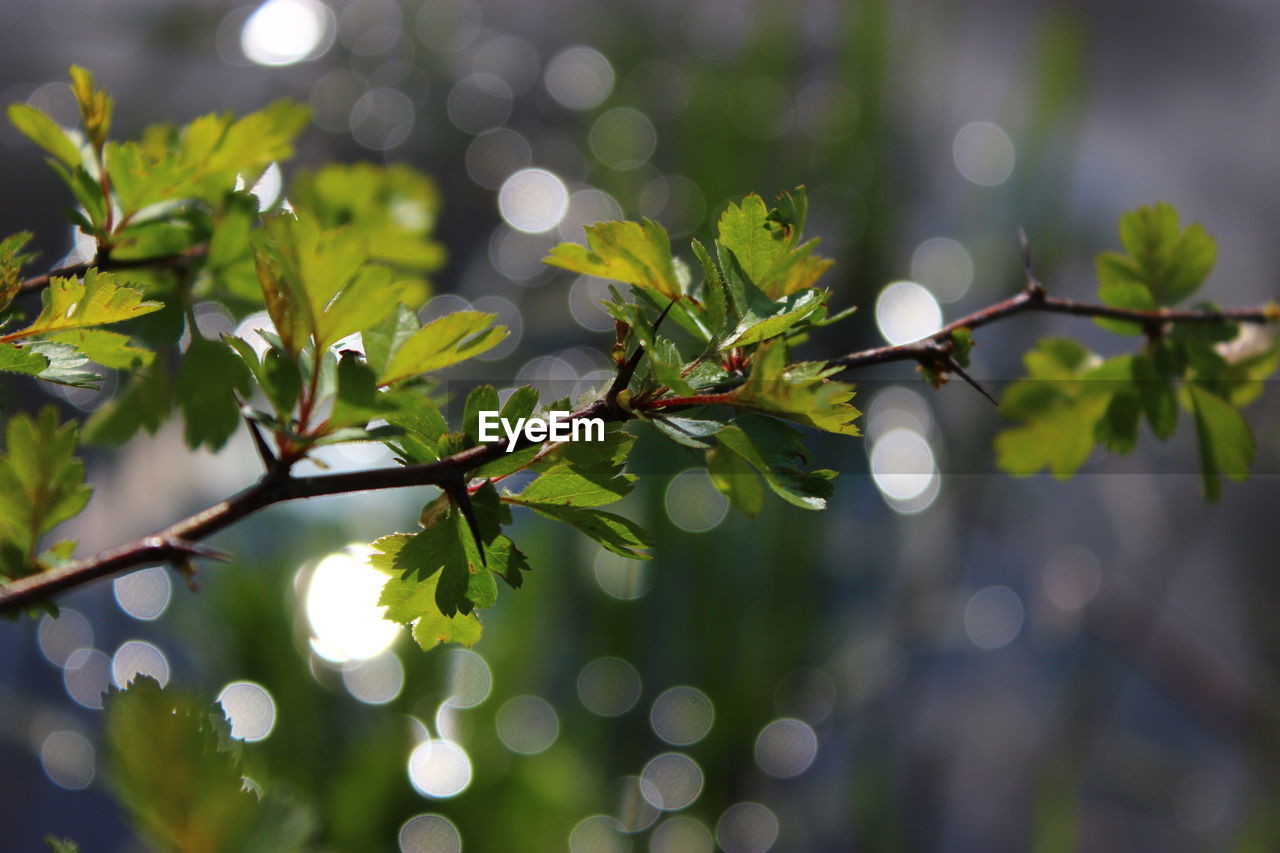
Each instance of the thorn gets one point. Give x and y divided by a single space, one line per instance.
269 460
963 374
1033 285
457 491
196 549
628 369
187 570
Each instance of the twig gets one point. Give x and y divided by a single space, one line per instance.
177 261
175 543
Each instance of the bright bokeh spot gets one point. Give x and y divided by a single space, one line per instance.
283 32
579 77
682 715
902 464
144 594
993 617
786 748
747 828
375 681
533 201
439 769
527 725
342 608
671 781
138 657
430 833
907 312
983 153
249 708
609 686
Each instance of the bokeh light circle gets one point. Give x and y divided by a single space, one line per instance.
682 715
527 724
907 312
429 833
983 153
609 686
993 617
747 828
284 32
439 769
671 781
249 708
533 201
785 748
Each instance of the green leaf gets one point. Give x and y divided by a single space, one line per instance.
110 349
575 486
210 375
61 845
66 365
70 303
782 315
1170 261
799 392
483 398
443 342
637 253
12 260
95 105
385 338
393 207
41 480
1069 404
1061 440
734 477
762 242
15 359
1224 438
195 798
773 449
1156 393
620 535
43 131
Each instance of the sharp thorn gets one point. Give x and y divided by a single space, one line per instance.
269 459
196 549
963 374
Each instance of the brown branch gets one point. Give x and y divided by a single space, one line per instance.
177 261
1032 298
176 544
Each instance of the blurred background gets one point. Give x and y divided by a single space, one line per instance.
947 659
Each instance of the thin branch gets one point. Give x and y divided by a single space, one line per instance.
178 261
1032 298
175 544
